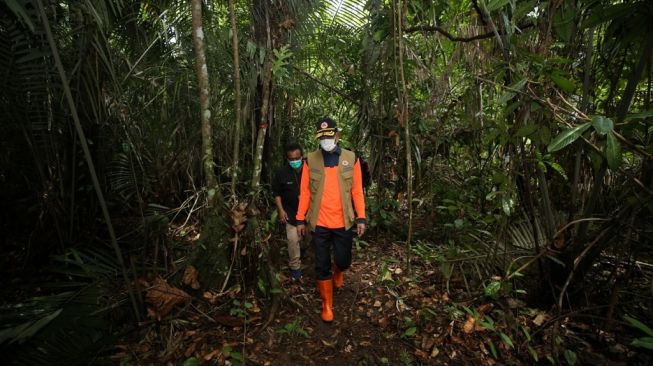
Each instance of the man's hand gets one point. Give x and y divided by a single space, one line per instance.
301 230
360 229
283 216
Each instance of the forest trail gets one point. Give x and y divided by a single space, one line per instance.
373 322
383 316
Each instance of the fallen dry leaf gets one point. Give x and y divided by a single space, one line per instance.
468 327
483 309
230 321
162 298
421 354
329 344
212 354
190 350
383 322
435 352
190 277
540 318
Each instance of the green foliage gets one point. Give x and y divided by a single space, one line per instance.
239 308
568 136
191 362
65 324
236 358
641 342
293 329
602 125
280 61
382 213
570 357
613 151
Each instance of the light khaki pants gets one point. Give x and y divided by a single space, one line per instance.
294 250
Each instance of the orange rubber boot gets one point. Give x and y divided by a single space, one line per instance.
326 293
338 277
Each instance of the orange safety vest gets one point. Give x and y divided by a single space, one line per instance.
329 195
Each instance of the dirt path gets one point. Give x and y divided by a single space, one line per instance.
382 317
355 335
373 325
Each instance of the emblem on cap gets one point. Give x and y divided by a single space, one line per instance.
324 124
345 162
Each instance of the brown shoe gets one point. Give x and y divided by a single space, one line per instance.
326 293
338 277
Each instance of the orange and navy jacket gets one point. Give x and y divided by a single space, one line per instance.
331 215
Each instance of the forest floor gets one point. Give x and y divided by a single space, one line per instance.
383 316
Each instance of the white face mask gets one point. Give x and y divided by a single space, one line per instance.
328 144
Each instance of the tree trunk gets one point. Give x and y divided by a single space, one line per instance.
212 256
238 112
205 113
405 122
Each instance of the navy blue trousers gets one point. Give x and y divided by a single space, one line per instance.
324 240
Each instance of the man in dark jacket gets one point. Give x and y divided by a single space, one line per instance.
285 188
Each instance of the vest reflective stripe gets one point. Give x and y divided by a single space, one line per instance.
317 177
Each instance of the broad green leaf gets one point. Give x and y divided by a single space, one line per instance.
640 115
506 339
602 125
527 130
563 22
237 356
493 350
567 137
410 331
644 342
558 168
519 85
570 356
562 82
534 354
639 325
613 151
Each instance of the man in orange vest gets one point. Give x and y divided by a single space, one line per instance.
331 201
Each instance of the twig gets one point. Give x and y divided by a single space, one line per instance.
464 39
576 262
576 222
525 265
273 311
204 314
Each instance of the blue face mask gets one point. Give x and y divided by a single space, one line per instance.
295 164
